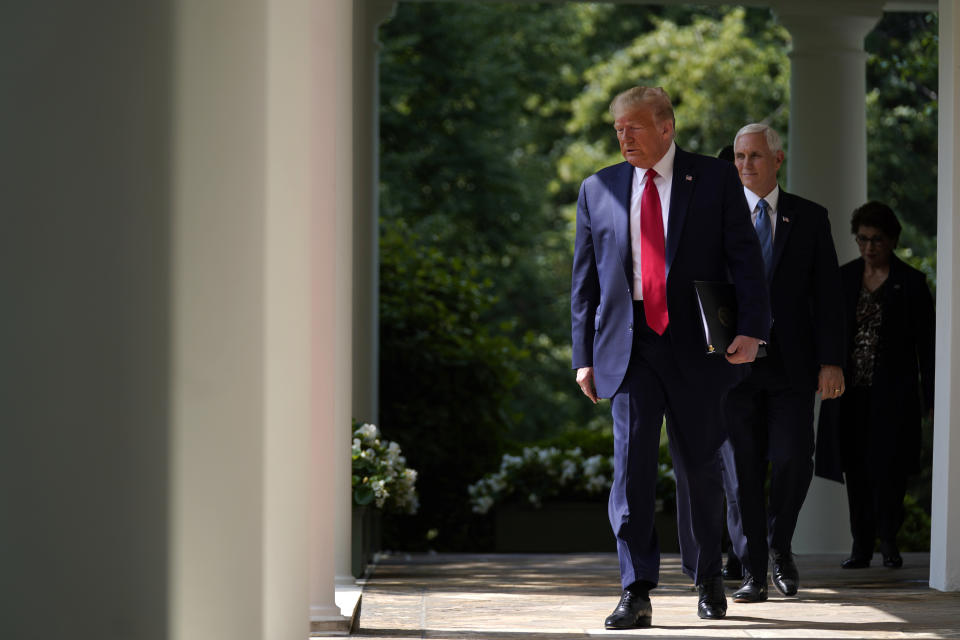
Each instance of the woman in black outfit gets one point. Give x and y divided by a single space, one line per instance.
871 434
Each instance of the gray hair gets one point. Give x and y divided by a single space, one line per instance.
773 138
654 98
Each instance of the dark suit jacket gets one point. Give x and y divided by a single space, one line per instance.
903 371
709 236
805 294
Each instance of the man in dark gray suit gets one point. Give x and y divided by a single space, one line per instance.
770 414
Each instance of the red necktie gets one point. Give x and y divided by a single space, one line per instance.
653 274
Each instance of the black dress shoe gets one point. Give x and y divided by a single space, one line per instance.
713 601
856 562
892 560
633 611
733 569
786 578
752 590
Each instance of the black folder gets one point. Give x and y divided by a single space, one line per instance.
718 314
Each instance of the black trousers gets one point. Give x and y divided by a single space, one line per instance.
770 426
875 488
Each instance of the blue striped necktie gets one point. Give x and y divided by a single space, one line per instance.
765 234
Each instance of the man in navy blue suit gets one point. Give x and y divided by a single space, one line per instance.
646 229
770 414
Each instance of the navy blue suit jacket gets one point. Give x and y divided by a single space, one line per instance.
709 237
806 296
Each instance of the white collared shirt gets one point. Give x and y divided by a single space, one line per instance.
772 198
664 184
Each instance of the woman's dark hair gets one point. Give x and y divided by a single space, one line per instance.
876 214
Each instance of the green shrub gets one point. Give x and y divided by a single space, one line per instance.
445 377
914 535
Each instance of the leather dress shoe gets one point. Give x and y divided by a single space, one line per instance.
632 611
892 560
752 590
786 578
856 562
733 570
713 601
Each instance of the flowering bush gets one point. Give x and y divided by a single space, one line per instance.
542 473
380 474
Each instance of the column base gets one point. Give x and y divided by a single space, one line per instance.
329 626
328 623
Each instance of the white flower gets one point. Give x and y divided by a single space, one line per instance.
597 484
482 504
380 492
384 468
510 462
592 465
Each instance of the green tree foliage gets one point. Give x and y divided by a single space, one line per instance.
445 378
718 73
474 102
902 125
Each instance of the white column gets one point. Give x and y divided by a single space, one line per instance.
292 166
945 529
828 164
218 348
244 202
368 14
332 307
828 114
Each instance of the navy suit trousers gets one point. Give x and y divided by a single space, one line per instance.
653 389
770 424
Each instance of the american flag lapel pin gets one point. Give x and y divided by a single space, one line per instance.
688 178
786 219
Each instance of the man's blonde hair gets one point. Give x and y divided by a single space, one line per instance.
650 97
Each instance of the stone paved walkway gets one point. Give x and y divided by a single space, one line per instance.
534 597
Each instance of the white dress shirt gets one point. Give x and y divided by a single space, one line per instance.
664 184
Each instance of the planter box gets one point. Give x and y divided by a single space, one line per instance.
365 541
567 527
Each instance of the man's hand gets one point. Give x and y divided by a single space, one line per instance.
585 380
742 350
830 382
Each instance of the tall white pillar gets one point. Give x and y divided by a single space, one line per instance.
368 15
828 113
828 164
177 205
945 527
365 323
243 204
217 393
332 55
